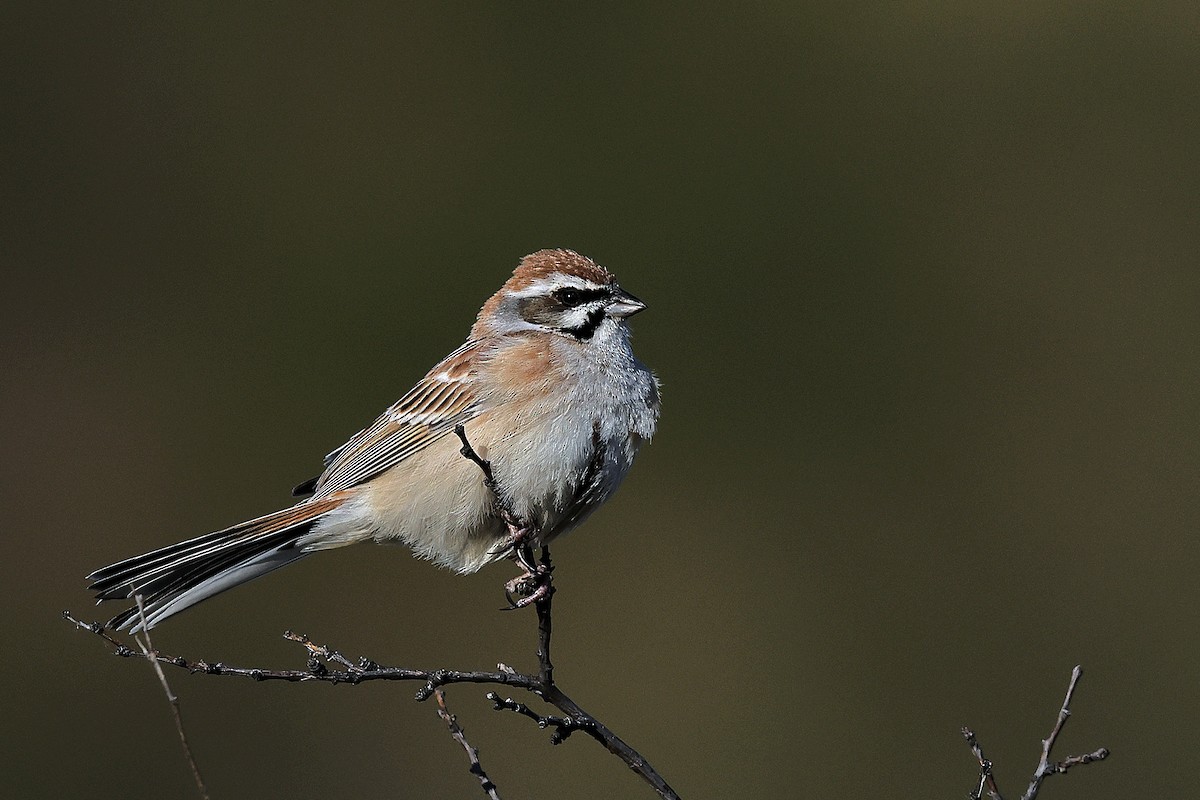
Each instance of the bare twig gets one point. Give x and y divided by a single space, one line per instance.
543 598
521 535
152 656
545 623
364 672
985 769
1045 767
460 736
326 665
468 452
563 726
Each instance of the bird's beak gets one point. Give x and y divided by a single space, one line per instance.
623 304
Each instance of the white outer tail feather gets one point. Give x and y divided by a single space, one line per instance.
235 575
179 576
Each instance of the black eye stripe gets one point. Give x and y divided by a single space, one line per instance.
571 297
554 310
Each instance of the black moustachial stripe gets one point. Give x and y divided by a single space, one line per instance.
584 332
550 310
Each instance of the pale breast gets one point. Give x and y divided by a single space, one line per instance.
560 432
563 405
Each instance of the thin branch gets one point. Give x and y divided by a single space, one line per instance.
152 656
1045 767
545 624
521 535
563 726
364 672
325 665
468 452
543 598
460 736
986 778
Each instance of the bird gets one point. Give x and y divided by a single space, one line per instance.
545 396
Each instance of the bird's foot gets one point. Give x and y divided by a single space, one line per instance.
534 584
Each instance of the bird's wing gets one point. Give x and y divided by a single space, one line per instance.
442 399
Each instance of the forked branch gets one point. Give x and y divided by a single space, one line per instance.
460 736
326 665
1045 767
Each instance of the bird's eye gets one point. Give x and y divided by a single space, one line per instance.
570 296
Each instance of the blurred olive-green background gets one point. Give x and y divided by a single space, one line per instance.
923 291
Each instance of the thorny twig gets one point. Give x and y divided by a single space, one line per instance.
1045 766
325 665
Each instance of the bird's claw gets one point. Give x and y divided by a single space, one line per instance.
529 587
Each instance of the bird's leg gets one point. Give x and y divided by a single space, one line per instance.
519 543
534 583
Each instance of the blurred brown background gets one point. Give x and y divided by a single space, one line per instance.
923 285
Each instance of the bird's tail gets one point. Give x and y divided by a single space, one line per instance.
176 577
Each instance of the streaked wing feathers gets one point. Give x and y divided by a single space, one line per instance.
428 412
309 486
